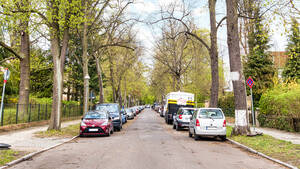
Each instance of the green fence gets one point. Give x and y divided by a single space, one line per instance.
17 113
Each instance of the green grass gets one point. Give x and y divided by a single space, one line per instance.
279 149
70 131
7 156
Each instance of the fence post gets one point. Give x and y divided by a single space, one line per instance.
46 113
29 113
39 112
17 113
69 110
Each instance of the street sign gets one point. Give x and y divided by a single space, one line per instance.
250 82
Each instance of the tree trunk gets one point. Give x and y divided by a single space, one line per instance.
241 125
85 62
214 91
100 79
24 87
112 80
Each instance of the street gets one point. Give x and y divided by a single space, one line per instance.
147 143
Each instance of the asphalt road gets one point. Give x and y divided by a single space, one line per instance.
147 143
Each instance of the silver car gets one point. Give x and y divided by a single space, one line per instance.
130 113
208 122
182 118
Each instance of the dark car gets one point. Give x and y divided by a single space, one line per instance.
96 123
115 113
182 118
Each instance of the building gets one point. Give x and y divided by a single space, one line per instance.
279 60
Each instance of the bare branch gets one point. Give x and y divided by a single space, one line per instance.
10 49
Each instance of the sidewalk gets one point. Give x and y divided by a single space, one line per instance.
24 140
279 134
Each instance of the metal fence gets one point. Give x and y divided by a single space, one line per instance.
17 113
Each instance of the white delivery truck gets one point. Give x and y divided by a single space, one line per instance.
174 101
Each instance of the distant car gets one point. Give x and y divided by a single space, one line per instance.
182 118
96 123
208 122
129 113
114 112
124 116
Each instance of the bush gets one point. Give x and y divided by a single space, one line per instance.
280 107
226 103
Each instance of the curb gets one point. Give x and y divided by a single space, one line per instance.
261 154
29 156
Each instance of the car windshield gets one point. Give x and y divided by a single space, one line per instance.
211 113
187 112
95 115
109 108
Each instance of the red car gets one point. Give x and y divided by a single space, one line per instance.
96 123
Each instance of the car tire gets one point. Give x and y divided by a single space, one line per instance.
190 134
174 127
223 138
177 128
196 137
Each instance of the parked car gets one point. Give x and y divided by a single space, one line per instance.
114 112
182 118
124 116
129 113
96 123
208 122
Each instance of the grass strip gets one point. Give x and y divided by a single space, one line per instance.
70 131
7 156
275 148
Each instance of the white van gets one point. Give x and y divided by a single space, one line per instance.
208 122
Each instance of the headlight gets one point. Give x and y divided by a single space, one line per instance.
82 124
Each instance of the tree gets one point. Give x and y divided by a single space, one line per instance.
292 67
239 89
258 63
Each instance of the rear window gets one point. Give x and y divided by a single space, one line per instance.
187 112
112 108
211 113
95 115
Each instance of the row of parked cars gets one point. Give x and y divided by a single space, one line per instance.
199 121
107 118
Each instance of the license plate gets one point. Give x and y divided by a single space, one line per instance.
93 129
211 127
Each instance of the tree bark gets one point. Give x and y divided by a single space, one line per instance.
100 79
24 87
241 124
213 52
112 80
85 62
58 51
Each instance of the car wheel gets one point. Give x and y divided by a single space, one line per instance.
174 127
177 128
223 138
190 134
196 137
108 134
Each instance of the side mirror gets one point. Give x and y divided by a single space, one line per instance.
109 118
191 118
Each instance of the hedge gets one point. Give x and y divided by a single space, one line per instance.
280 107
226 103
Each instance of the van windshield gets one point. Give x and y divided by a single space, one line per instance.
211 113
187 112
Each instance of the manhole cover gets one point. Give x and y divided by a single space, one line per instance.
3 145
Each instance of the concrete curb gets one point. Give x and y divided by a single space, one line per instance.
261 154
29 156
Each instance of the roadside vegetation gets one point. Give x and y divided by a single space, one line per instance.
69 131
275 148
7 156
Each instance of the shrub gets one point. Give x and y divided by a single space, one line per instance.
226 103
280 107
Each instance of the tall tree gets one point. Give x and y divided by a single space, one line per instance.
239 89
258 63
292 67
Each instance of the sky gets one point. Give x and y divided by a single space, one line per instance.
144 9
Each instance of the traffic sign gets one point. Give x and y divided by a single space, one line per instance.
250 82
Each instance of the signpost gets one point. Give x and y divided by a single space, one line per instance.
250 83
6 77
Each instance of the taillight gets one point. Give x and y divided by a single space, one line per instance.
224 123
180 116
197 123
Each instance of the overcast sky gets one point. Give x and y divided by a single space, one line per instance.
145 8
